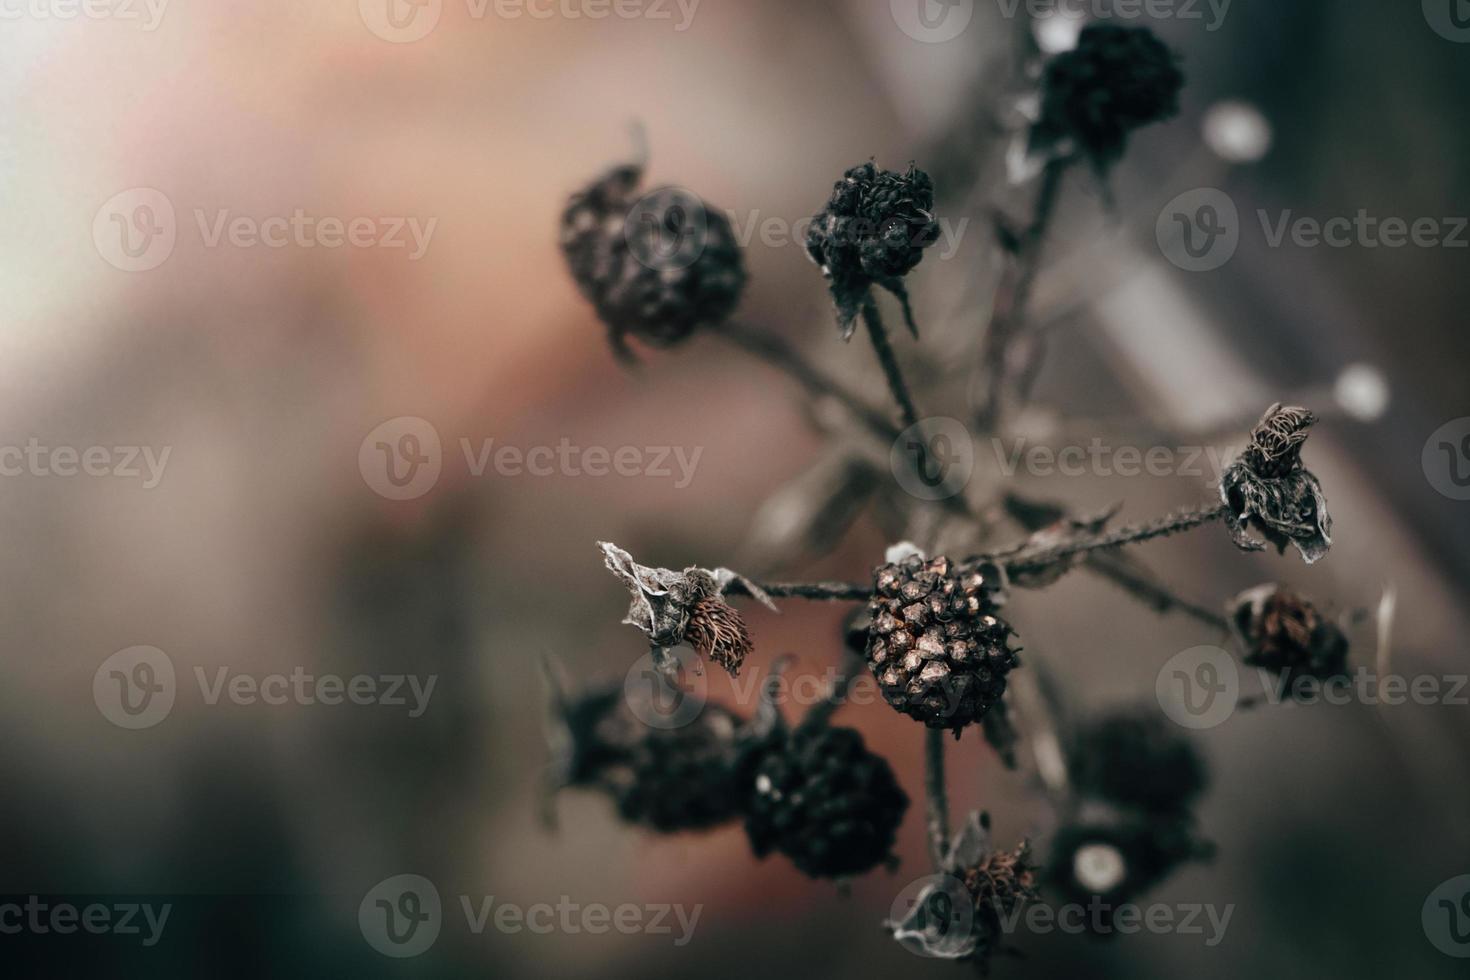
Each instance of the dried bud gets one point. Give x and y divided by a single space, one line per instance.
1117 79
873 231
685 607
1269 489
1284 633
658 266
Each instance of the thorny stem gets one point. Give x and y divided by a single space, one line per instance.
822 591
938 798
998 370
889 361
781 355
1146 590
1182 520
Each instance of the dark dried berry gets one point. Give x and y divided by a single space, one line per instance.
818 796
658 266
1117 79
1284 633
937 648
1137 759
873 231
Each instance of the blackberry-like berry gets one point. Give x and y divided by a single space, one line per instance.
1117 79
1284 633
873 230
666 779
657 266
1137 759
821 798
937 648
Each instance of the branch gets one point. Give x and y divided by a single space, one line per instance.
996 371
1183 520
938 798
782 356
889 361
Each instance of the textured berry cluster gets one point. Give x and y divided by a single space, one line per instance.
937 648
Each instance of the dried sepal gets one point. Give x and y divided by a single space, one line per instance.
686 607
1268 489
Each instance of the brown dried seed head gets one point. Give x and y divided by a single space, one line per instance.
718 633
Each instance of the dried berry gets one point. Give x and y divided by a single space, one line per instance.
1267 488
1137 759
873 231
657 267
818 796
1117 79
669 780
1284 633
1001 883
1104 858
937 648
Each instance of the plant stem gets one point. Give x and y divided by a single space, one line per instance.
937 795
1142 587
781 355
997 369
889 362
1182 520
826 591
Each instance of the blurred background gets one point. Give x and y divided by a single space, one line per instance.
242 238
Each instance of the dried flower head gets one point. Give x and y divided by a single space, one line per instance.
657 266
1281 631
962 914
1269 489
873 231
1117 79
685 607
1111 856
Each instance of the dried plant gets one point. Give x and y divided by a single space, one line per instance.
927 626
